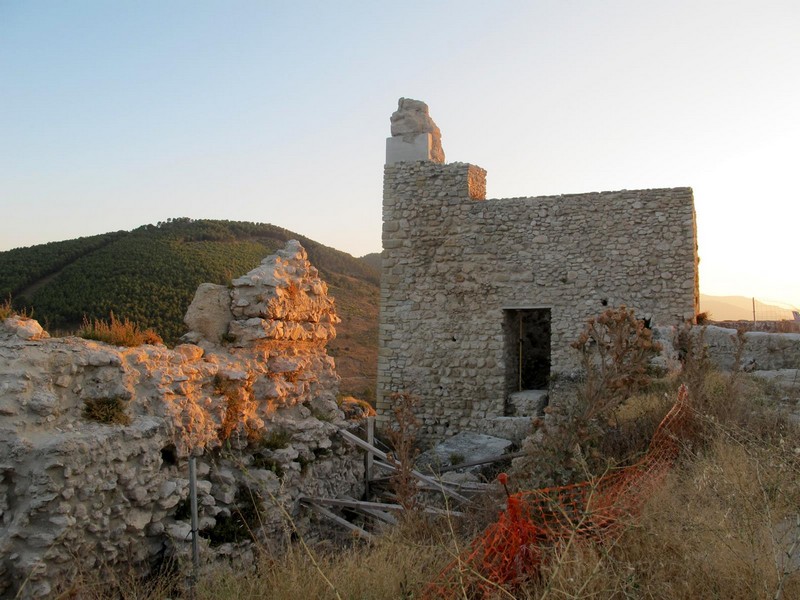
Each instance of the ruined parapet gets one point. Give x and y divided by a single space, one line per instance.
481 298
414 134
761 351
94 438
281 300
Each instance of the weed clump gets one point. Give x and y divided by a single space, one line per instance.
106 410
616 349
6 310
276 439
402 435
118 332
243 522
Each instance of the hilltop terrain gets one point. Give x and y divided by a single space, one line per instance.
150 274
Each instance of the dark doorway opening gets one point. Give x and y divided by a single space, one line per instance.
527 334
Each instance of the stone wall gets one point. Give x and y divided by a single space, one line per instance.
454 264
761 352
253 396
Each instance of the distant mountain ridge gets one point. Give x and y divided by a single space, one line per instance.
740 308
374 259
150 274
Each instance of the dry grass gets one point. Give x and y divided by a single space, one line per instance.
398 565
721 526
726 523
6 310
118 333
106 410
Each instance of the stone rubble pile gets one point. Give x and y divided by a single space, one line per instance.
252 393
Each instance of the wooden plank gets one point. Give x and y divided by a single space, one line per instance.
369 458
466 487
483 461
337 519
350 503
436 511
364 505
380 515
382 455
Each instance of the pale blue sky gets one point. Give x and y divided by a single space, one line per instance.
116 114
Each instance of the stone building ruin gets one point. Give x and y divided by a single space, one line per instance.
252 394
481 298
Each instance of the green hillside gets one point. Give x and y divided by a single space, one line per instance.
150 274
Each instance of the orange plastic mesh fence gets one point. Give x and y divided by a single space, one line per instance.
512 549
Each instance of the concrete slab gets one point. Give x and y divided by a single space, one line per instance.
463 447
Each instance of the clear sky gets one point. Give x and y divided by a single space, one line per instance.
116 114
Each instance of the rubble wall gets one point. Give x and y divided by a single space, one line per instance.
252 395
454 261
761 351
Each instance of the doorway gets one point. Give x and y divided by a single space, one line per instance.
527 342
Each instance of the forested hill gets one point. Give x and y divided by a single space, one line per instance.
150 274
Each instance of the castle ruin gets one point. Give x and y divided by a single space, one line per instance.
95 439
480 299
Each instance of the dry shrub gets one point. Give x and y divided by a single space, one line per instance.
785 327
6 310
633 425
239 403
106 410
615 352
398 565
118 333
616 349
402 435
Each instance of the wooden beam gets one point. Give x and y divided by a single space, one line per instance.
369 458
381 506
382 455
483 461
337 519
465 487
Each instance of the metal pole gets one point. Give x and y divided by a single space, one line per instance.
754 309
193 507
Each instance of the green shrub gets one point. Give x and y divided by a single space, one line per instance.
456 458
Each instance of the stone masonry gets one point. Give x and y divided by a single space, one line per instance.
458 267
252 396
